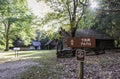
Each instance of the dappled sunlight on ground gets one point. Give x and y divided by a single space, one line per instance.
36 57
10 56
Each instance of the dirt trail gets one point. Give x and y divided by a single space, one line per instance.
13 69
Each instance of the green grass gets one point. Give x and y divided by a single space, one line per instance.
44 53
34 54
48 69
23 53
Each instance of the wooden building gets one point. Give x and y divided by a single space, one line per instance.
103 41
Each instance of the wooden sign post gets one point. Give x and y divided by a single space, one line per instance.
16 49
80 56
81 42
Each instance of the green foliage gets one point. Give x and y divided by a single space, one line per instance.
16 21
88 19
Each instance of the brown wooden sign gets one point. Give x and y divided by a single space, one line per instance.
87 42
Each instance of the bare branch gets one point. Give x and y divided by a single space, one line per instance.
80 16
117 10
74 9
68 8
83 8
84 4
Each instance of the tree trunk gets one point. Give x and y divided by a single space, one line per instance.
7 37
7 43
118 43
73 27
73 32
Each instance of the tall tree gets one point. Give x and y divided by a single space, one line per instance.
14 16
108 19
69 12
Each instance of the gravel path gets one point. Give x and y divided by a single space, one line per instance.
11 70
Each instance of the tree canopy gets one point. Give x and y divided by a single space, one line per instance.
69 13
15 22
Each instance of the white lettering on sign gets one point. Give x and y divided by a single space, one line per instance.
85 42
16 48
72 42
85 39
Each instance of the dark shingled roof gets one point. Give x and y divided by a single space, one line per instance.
49 42
92 33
